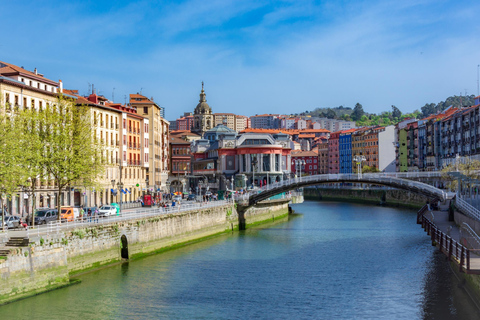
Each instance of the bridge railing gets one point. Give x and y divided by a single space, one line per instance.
57 226
372 178
467 209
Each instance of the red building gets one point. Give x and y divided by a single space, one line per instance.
311 163
180 159
185 123
333 152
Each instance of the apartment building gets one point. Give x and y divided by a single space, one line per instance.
158 134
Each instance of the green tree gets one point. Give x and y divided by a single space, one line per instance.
467 167
11 158
71 154
368 169
30 127
396 113
331 114
358 112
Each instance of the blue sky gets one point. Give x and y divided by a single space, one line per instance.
254 56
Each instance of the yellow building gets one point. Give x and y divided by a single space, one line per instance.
157 169
227 119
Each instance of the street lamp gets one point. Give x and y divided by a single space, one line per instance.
120 187
299 164
113 187
254 166
359 160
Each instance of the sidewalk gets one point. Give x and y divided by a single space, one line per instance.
451 229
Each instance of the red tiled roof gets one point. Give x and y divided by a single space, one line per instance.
304 135
304 154
9 68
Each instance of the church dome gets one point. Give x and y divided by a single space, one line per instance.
203 107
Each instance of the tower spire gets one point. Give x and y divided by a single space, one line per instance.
202 95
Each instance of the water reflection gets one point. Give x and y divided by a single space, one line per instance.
332 261
444 296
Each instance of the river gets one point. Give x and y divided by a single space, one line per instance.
328 261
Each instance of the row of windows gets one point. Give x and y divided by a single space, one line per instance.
39 85
180 151
33 102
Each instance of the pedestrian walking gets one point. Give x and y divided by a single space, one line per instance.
95 217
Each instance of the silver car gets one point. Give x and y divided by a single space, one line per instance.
11 222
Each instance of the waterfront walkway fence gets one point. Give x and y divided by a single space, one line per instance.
451 248
90 221
472 240
467 209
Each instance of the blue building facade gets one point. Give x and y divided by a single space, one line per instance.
345 152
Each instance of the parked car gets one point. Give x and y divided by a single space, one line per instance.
11 222
191 197
177 199
106 211
44 216
69 213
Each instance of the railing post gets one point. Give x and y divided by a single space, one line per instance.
462 258
456 250
450 249
441 242
468 260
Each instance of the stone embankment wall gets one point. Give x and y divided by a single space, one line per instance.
50 261
391 197
266 211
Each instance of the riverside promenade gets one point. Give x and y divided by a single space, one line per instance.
458 242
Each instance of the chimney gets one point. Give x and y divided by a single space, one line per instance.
60 85
35 71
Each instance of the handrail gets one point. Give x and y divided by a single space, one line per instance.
449 246
467 209
374 178
57 226
468 233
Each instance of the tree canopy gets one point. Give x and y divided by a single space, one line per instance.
56 143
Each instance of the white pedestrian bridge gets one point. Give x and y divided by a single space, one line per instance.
404 180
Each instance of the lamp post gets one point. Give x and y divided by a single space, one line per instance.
113 187
254 166
359 160
299 164
184 182
120 187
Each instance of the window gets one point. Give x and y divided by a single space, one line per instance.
145 110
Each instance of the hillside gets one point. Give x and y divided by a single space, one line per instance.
387 117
